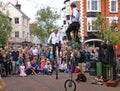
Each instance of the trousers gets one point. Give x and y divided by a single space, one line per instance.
74 26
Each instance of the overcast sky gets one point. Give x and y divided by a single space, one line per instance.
30 7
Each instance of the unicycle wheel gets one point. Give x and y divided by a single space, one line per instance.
70 85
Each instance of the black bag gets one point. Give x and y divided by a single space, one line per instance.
28 71
82 78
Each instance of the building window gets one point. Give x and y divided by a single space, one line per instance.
113 6
16 34
90 26
16 20
113 23
93 5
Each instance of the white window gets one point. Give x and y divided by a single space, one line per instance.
17 34
25 22
16 19
113 21
90 26
113 6
93 5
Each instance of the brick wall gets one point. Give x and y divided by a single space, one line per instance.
119 14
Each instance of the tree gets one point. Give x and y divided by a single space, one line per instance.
97 24
5 28
112 36
110 33
46 21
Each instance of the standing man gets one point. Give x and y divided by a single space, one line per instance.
56 41
15 55
74 26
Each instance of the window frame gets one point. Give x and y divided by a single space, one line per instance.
111 7
16 20
17 35
89 6
90 20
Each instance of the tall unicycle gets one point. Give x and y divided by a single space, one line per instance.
70 84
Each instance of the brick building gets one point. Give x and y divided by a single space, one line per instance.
109 9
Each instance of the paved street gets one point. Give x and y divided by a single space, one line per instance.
49 83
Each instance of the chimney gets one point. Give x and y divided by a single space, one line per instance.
18 6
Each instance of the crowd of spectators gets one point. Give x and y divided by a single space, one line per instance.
40 60
24 61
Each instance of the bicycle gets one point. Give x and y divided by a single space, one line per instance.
70 84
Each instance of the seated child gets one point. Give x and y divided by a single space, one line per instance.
22 70
63 67
28 66
42 63
28 63
35 68
48 68
69 68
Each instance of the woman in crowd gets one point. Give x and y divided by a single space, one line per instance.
48 68
42 64
63 67
35 68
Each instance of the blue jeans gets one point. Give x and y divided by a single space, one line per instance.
87 66
47 72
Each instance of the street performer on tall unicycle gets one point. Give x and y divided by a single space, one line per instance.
74 25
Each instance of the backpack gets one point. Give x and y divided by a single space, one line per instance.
87 54
82 78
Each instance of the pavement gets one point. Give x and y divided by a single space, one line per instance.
50 83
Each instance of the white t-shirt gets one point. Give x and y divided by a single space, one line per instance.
63 66
76 15
55 38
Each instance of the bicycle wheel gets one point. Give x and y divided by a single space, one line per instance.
70 85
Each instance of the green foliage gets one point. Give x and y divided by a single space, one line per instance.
75 45
108 34
112 36
46 21
98 23
40 33
5 28
113 25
